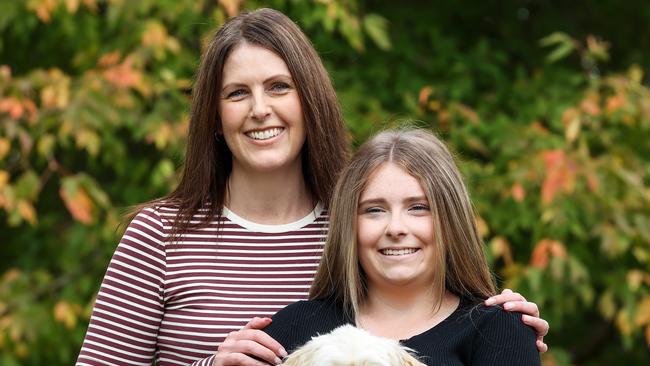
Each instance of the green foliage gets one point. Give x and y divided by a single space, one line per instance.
551 124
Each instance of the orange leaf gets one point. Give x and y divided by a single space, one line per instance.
231 6
614 103
482 226
79 204
468 113
30 107
11 275
12 106
123 75
572 130
64 312
4 179
538 127
5 146
590 105
643 312
544 250
109 59
593 183
55 96
560 174
5 73
424 94
154 35
72 6
443 118
90 4
501 249
27 211
569 115
624 322
518 192
43 9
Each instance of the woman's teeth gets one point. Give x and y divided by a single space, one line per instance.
265 134
401 251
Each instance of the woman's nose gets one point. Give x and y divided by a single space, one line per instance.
260 108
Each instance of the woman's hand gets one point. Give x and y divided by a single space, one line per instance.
250 347
513 301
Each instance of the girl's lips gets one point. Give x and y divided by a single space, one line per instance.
398 251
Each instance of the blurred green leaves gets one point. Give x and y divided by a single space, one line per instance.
552 139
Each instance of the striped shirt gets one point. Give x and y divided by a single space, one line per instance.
174 303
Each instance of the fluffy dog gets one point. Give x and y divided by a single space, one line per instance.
351 346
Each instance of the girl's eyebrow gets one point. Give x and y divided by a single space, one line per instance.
371 201
382 200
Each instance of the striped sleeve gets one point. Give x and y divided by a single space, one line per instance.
126 317
205 362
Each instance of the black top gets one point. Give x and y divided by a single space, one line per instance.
471 335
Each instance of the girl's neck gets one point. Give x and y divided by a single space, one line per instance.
270 198
403 314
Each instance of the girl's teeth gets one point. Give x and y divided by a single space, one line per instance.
398 251
263 135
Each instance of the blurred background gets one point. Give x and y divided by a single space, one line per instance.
545 102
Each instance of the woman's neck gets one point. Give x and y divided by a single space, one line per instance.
401 314
271 198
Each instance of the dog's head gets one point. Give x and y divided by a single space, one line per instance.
351 346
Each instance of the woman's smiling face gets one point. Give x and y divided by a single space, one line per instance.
261 115
395 230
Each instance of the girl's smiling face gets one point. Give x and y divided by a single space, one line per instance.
395 230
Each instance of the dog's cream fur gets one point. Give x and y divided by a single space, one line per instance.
351 346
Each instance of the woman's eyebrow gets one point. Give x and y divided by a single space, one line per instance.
278 76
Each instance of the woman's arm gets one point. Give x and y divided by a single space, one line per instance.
514 301
129 307
249 346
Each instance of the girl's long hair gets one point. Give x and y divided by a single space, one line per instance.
460 263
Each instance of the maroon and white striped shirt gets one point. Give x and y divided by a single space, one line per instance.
174 303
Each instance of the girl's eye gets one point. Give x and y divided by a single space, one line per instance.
420 207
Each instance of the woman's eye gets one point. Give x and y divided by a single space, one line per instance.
372 210
279 87
235 94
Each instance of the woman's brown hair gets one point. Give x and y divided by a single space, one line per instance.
460 263
208 161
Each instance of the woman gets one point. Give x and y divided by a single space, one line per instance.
404 260
241 237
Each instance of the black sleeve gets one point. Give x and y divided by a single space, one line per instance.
297 323
504 340
281 328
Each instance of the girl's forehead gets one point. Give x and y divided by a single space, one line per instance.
391 179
